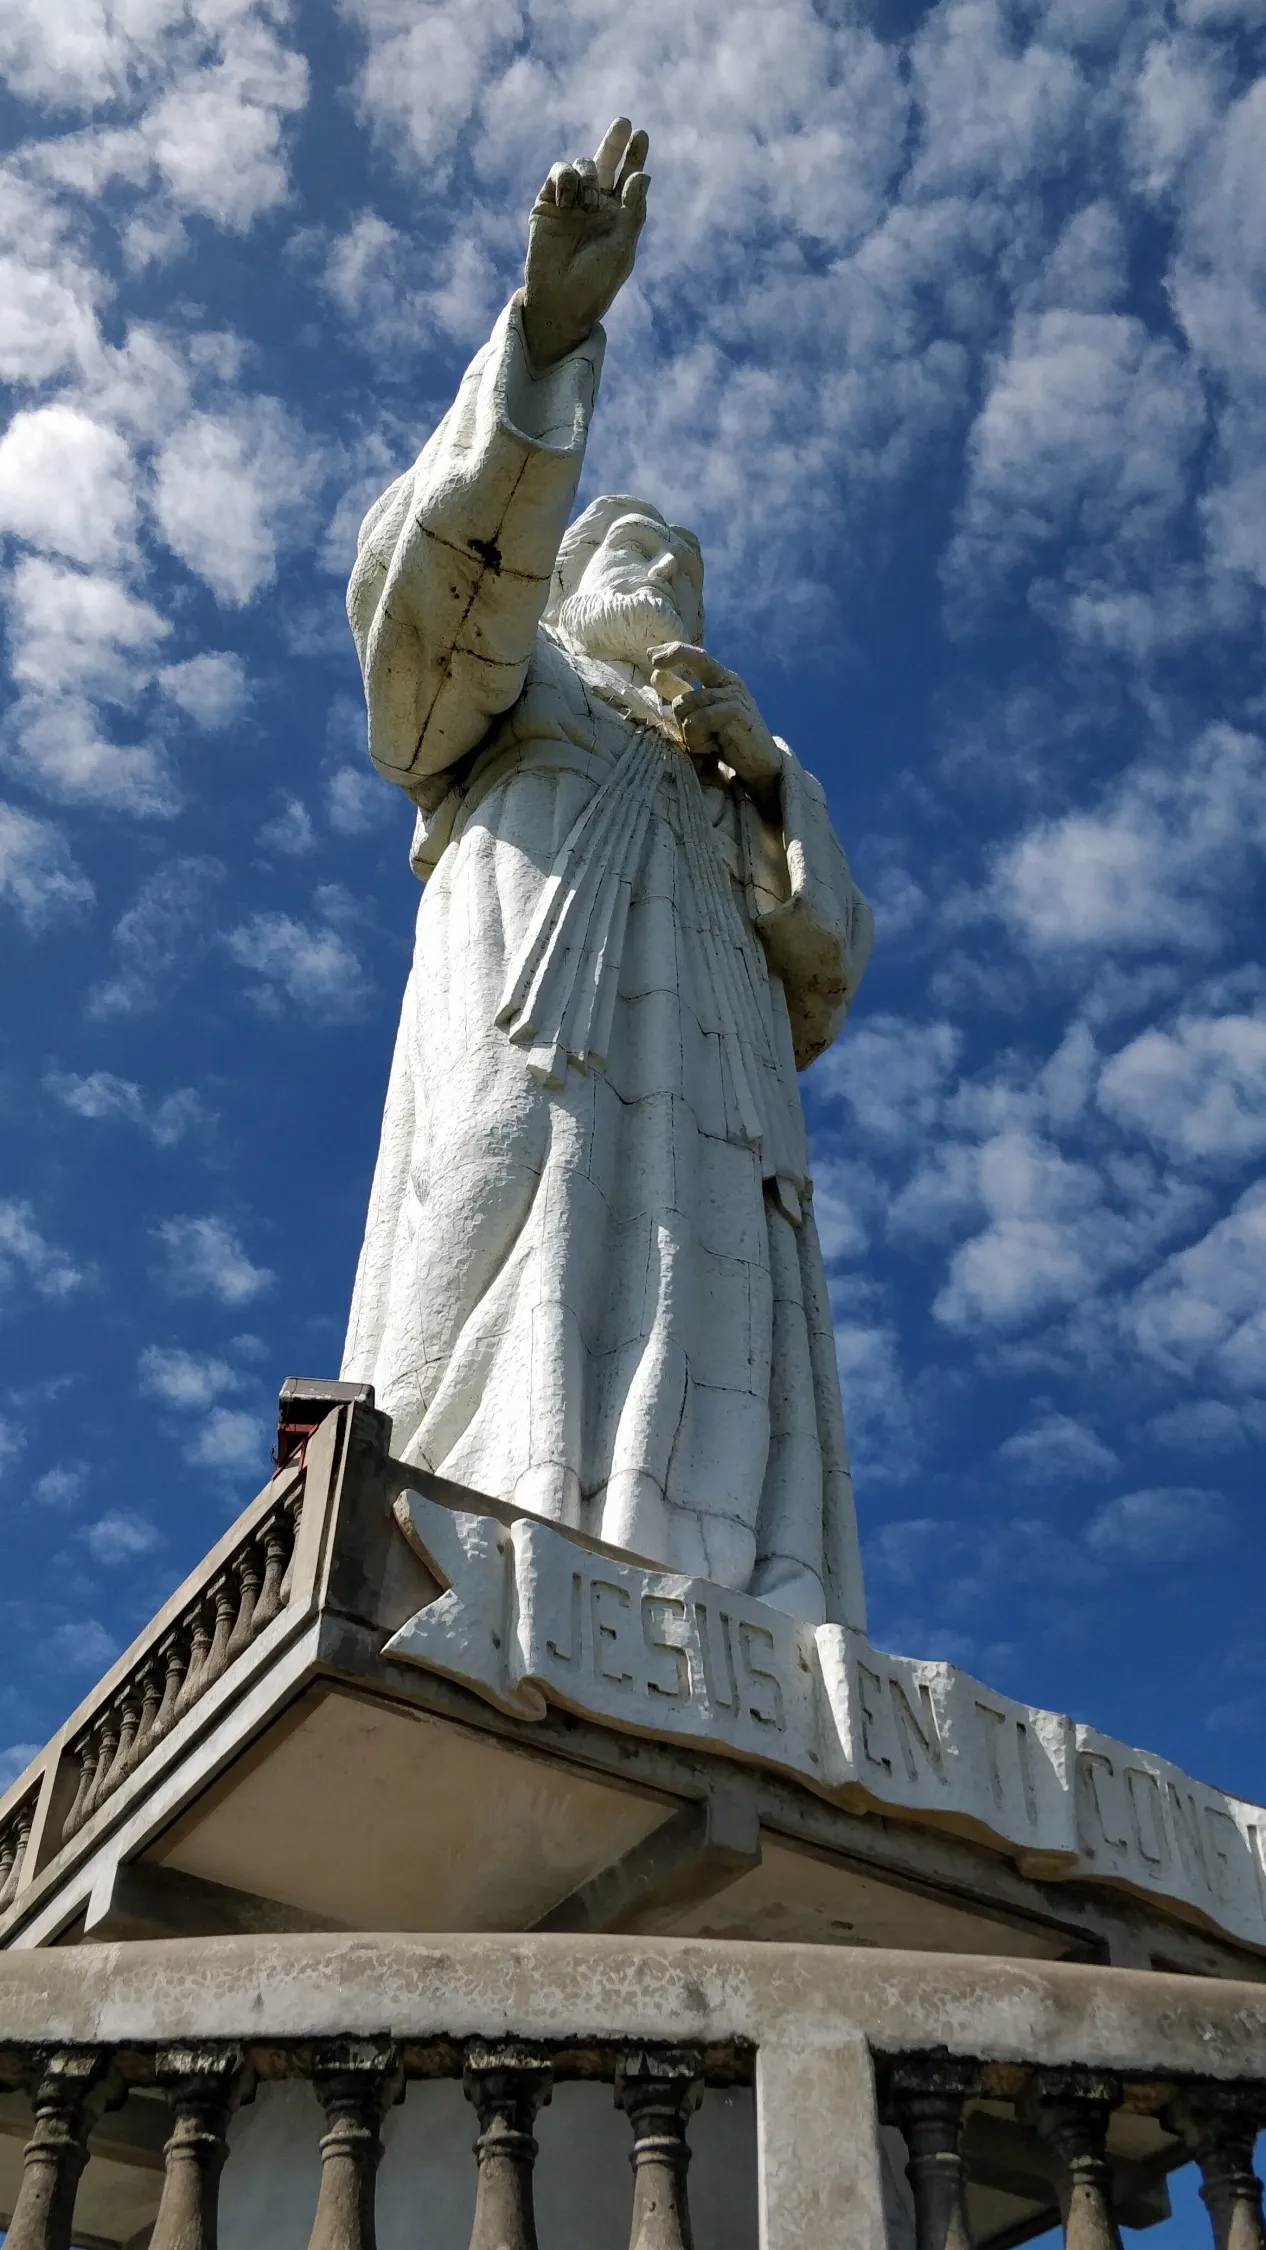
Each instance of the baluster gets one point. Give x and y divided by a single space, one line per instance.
1071 2115
203 2085
16 1842
659 2092
107 1744
1219 2125
927 2094
294 1516
355 2081
507 2085
86 1752
151 1703
247 1572
199 1643
224 1604
68 2101
129 1721
275 1552
173 1655
8 1853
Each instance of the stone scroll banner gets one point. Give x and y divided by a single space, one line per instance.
528 1617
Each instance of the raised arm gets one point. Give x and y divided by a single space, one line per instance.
454 562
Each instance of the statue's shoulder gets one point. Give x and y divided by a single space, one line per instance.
553 665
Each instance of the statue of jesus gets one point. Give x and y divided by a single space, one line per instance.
591 1283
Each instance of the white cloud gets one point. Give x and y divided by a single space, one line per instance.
1087 432
12 1440
844 1196
205 1258
181 1378
159 937
60 1486
38 875
374 274
15 1760
883 1435
1160 1525
72 631
1054 1449
211 688
75 637
1177 99
1218 274
208 85
67 485
81 1645
309 962
216 137
102 1094
1202 1425
355 800
1056 1227
1206 1305
893 1074
1154 868
229 1439
47 322
290 831
24 1249
227 488
1198 1091
120 1536
77 55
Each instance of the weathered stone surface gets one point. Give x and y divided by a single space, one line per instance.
530 1617
591 1282
684 1991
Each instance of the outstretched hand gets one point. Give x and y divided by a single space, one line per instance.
718 718
582 240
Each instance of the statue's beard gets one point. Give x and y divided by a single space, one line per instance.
624 628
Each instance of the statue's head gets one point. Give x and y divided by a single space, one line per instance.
626 580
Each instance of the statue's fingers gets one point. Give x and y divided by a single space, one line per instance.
696 701
611 148
633 197
634 159
562 187
699 732
586 172
687 656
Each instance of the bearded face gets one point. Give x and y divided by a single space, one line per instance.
642 586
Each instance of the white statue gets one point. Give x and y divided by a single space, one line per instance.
591 1283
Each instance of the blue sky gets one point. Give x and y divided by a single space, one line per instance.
949 337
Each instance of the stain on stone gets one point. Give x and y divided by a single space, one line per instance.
488 551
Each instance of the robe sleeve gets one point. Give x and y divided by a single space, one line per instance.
453 564
816 926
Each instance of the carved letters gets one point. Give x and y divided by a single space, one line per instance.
530 1617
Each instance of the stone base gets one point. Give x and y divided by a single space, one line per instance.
386 1704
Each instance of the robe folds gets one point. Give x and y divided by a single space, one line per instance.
591 1283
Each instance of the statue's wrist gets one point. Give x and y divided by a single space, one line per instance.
548 339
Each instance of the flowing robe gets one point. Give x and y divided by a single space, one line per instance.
591 1283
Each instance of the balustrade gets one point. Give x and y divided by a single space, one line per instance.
15 1836
753 2016
218 1627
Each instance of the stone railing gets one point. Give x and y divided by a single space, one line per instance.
193 1651
15 1841
253 1595
843 2049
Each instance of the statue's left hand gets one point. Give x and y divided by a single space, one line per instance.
718 718
582 240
